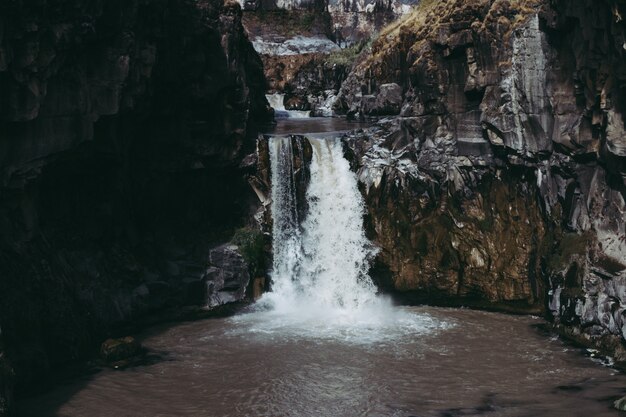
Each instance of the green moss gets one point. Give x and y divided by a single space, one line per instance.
252 247
346 56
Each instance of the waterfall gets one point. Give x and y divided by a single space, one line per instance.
323 259
277 101
287 242
320 283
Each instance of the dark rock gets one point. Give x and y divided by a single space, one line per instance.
503 182
228 276
195 290
297 103
120 123
113 350
387 101
6 383
258 287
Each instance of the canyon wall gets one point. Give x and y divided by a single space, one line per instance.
122 128
308 47
500 180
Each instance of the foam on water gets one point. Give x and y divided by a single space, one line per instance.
370 325
321 287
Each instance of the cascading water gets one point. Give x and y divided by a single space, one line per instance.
286 228
325 259
321 287
277 101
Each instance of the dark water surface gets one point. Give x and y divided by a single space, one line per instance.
314 125
461 363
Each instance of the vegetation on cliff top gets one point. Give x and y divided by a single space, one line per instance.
347 56
433 21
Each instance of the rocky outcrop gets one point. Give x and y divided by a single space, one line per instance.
115 350
123 125
452 229
504 170
227 277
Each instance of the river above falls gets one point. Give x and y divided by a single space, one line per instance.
452 362
310 125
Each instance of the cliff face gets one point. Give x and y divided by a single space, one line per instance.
122 126
502 181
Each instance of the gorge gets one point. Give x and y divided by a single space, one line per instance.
322 342
486 167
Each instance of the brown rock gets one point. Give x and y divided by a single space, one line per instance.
113 350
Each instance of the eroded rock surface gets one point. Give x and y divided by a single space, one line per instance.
502 180
227 276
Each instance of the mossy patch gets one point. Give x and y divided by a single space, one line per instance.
347 56
252 247
432 21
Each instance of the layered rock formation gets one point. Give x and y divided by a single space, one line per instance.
122 126
503 180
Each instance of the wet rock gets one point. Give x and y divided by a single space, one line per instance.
449 228
308 80
228 276
258 287
388 100
113 350
296 103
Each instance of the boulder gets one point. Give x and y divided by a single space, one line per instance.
113 350
388 100
227 276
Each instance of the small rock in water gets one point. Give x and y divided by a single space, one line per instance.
113 350
620 404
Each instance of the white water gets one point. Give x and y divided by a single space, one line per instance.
321 287
277 101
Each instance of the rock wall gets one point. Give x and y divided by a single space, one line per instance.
502 179
308 47
122 127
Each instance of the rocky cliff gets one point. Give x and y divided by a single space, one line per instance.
308 47
122 127
501 179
